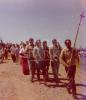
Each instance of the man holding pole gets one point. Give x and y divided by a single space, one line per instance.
68 58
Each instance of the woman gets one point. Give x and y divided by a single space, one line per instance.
6 53
24 60
17 53
13 53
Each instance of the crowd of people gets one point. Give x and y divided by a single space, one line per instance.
7 49
37 57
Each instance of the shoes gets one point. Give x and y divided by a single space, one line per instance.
69 90
32 80
38 79
45 83
74 96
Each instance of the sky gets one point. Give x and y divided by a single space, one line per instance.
42 19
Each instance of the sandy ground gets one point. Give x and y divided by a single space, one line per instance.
16 86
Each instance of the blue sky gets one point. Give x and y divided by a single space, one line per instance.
42 19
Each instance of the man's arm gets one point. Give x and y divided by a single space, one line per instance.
51 53
35 53
26 49
61 59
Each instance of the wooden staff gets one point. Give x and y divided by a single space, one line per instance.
81 17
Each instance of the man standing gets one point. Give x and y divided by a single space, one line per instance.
29 52
55 51
39 60
46 57
68 58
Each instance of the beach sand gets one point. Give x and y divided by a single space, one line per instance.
16 86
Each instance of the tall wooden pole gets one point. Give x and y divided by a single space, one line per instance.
81 17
